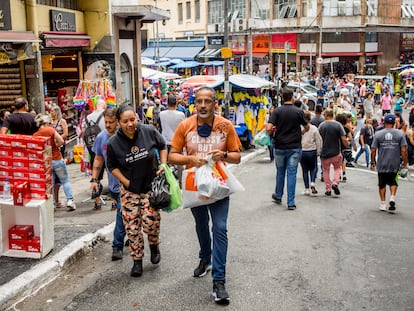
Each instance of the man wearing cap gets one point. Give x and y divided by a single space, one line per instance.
391 146
170 119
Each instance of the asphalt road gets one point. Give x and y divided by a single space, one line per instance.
329 254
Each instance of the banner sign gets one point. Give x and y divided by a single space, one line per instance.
261 43
238 44
280 41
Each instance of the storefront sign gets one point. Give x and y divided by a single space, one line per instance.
261 43
15 52
217 40
407 41
62 21
5 16
238 44
280 41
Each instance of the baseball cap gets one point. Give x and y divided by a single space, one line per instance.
389 118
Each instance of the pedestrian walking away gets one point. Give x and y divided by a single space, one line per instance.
208 134
59 169
333 134
391 146
285 127
99 148
132 159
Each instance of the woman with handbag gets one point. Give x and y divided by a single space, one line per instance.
132 159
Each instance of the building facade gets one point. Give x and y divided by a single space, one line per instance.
341 36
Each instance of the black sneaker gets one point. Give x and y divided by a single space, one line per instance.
117 254
202 269
220 294
278 201
155 254
336 189
322 180
328 193
291 207
126 243
391 208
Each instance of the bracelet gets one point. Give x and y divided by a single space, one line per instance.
225 155
94 180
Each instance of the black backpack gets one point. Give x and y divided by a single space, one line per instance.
91 131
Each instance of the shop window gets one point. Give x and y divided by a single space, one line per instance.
66 4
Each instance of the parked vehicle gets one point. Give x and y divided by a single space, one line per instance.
308 90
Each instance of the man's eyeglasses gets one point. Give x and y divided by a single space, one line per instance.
206 101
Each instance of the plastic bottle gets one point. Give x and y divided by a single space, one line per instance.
6 190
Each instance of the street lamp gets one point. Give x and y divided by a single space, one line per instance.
287 48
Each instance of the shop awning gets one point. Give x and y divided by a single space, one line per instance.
154 52
184 52
65 39
373 53
210 53
330 54
259 55
17 36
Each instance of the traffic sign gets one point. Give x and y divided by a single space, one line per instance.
319 60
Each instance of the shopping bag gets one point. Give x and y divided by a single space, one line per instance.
262 138
176 198
211 183
159 197
190 191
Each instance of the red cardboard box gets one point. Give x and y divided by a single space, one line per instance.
17 245
39 155
38 142
18 141
40 175
5 151
6 161
40 165
21 193
5 140
20 173
21 232
21 162
19 153
33 244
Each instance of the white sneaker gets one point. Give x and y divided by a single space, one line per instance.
71 205
383 207
306 192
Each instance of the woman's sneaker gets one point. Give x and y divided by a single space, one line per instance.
220 294
391 208
313 189
71 205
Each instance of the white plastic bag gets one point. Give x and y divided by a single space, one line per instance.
210 183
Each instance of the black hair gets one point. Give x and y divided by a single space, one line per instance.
122 109
110 112
287 95
20 102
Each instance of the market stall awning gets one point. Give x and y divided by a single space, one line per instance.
246 81
214 63
154 52
190 64
184 52
152 74
210 53
202 80
17 36
57 39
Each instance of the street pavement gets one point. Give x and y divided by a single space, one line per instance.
76 232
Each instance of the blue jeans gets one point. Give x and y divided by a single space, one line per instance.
287 160
119 230
309 163
218 212
361 151
60 171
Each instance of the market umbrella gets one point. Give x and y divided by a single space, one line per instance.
407 72
189 64
152 74
147 61
201 80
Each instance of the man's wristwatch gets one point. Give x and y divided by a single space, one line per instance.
225 154
94 180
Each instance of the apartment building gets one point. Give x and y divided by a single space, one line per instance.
343 36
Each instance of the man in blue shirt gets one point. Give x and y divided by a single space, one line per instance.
99 147
321 95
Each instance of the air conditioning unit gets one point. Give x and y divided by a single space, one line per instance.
239 24
341 8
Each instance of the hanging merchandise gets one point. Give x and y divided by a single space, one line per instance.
89 91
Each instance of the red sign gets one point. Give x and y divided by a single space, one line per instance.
238 44
261 43
279 41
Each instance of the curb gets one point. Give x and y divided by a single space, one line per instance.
31 281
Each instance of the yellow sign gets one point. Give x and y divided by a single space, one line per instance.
226 52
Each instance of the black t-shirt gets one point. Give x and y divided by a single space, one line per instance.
368 135
21 123
136 157
288 119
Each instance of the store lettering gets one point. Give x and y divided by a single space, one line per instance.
61 25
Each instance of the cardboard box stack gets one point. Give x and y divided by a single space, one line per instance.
26 161
22 238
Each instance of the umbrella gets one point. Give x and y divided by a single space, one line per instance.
147 61
189 64
152 74
200 80
407 72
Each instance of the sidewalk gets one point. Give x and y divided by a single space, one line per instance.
75 234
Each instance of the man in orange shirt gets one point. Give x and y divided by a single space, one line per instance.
205 134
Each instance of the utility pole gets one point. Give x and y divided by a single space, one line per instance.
226 100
